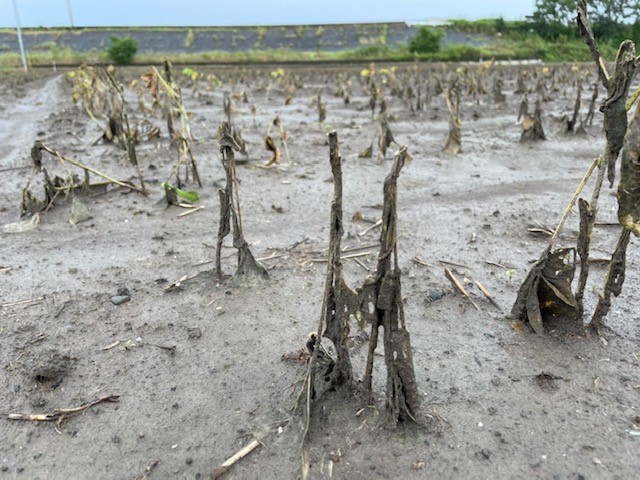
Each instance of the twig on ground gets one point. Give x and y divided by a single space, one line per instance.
272 257
111 345
486 293
28 301
361 263
39 338
367 230
231 461
420 261
499 265
459 286
360 247
60 414
189 212
345 257
444 262
144 475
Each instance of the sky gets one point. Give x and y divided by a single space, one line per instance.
55 13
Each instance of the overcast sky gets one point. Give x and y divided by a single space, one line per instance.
54 13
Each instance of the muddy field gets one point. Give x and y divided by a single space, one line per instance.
199 370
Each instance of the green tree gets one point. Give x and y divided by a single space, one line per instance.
611 19
427 40
122 49
555 12
607 11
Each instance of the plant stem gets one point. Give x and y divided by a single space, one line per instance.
89 169
573 200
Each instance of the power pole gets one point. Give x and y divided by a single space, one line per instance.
70 13
24 58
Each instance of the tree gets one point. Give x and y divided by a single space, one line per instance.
427 40
555 11
600 11
612 20
122 50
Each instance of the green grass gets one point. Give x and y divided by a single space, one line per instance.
572 51
506 41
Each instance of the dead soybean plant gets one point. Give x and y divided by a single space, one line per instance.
249 271
130 135
382 290
452 99
339 301
90 91
531 125
385 136
615 110
615 122
181 138
530 296
628 216
61 186
571 124
270 145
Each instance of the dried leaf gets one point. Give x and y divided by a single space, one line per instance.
226 137
22 225
250 272
367 152
546 292
270 145
31 204
629 188
79 212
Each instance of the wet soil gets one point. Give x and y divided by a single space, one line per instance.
199 370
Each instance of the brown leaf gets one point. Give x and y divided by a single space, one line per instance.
629 188
546 292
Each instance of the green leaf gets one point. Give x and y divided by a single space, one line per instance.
189 195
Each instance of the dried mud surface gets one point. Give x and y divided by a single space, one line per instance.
508 403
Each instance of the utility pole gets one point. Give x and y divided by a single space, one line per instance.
70 13
24 58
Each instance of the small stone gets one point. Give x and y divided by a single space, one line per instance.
124 291
120 299
194 333
434 294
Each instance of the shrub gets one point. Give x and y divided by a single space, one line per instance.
427 40
372 51
122 50
460 53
